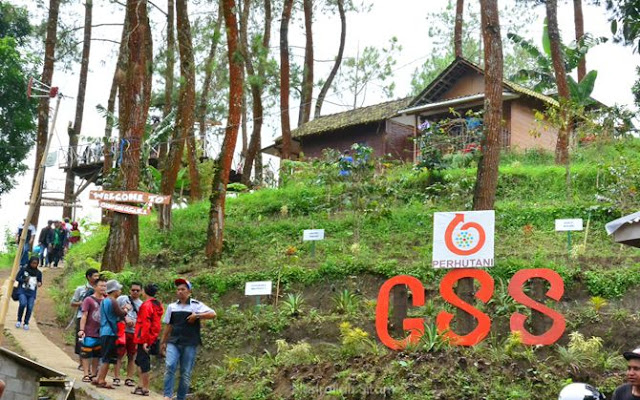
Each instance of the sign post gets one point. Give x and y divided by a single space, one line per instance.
313 235
257 289
35 195
112 200
569 225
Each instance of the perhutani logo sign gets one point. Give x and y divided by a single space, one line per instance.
463 239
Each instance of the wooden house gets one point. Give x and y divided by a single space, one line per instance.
394 128
24 379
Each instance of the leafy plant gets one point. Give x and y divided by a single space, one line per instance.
580 352
293 304
237 187
611 283
432 340
346 302
598 303
355 341
294 354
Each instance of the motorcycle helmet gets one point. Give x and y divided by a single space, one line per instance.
580 391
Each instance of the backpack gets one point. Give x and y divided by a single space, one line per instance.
14 291
89 292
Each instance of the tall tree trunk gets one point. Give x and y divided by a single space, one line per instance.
168 79
118 76
210 63
243 125
215 227
285 83
187 106
135 98
487 179
185 114
69 187
336 66
192 160
307 72
457 31
43 105
562 145
578 19
487 176
256 84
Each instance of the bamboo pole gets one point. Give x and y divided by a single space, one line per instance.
35 193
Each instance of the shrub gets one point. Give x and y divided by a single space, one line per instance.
296 354
293 304
355 341
346 302
611 283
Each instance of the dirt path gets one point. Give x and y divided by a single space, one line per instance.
45 309
46 345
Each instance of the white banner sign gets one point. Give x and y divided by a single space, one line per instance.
51 159
125 208
463 239
129 197
563 225
313 234
260 288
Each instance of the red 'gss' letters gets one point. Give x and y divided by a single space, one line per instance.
415 326
443 321
555 292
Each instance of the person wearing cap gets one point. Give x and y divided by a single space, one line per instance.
630 390
181 337
148 327
110 315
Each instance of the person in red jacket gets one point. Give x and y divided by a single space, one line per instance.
148 326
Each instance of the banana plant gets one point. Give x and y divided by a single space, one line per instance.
542 79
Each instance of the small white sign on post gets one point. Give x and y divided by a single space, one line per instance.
566 225
259 288
313 234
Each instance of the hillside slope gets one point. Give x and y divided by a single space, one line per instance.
319 341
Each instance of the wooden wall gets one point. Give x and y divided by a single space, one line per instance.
472 83
396 141
369 134
523 122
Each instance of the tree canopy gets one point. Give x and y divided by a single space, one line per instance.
17 110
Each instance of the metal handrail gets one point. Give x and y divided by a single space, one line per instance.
94 153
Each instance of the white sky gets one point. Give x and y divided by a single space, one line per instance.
405 19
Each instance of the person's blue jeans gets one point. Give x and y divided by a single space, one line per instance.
25 255
27 299
44 248
186 357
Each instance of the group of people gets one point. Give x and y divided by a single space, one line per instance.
53 241
111 325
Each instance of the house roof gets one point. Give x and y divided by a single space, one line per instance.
43 370
613 226
464 100
358 116
459 67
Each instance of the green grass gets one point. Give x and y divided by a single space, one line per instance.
388 233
